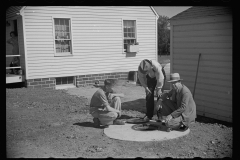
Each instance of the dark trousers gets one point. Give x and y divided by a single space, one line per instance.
151 84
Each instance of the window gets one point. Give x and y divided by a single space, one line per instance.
64 80
129 33
62 36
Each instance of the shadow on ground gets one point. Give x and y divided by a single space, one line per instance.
202 119
88 124
15 85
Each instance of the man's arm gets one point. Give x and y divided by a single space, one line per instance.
182 108
142 79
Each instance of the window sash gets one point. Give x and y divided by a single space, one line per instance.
62 35
64 80
129 33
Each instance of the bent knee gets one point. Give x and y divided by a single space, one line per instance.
117 99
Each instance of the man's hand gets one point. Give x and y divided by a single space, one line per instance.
169 117
159 92
147 90
119 114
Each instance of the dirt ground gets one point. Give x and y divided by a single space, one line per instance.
43 123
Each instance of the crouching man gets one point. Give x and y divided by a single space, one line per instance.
179 111
105 106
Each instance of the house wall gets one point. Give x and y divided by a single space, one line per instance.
212 37
97 40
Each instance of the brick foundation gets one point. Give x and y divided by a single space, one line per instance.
81 80
90 79
41 83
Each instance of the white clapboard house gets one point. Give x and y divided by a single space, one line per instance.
206 31
68 46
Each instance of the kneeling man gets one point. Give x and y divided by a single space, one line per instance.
106 105
179 111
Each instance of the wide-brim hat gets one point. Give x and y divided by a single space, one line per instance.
174 77
144 65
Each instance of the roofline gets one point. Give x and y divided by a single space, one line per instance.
21 10
154 11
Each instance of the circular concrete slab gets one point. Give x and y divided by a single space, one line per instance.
125 132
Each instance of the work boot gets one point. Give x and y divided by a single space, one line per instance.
147 119
96 122
118 122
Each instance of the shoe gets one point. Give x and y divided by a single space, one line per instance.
169 129
96 122
146 119
118 122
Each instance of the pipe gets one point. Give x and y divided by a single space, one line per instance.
196 75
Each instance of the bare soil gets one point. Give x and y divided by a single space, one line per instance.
43 123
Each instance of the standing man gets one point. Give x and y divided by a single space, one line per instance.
151 75
106 105
180 110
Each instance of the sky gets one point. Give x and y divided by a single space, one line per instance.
169 11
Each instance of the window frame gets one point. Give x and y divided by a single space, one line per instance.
61 54
136 31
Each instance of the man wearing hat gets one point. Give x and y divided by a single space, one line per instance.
151 75
177 106
105 106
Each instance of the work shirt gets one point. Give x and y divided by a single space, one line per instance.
99 100
186 106
156 71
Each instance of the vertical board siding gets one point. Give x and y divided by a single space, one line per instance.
97 40
213 92
8 46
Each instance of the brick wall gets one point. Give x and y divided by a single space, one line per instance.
92 78
41 83
81 80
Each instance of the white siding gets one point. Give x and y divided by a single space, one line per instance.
97 40
213 39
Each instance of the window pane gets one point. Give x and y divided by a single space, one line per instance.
133 35
64 80
58 81
125 34
70 80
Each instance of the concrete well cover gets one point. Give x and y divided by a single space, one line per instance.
125 132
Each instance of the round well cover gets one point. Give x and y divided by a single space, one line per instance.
136 121
144 127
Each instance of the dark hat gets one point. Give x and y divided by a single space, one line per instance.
143 65
174 77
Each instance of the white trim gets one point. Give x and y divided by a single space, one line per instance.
156 41
24 41
62 54
65 86
21 10
136 34
154 12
